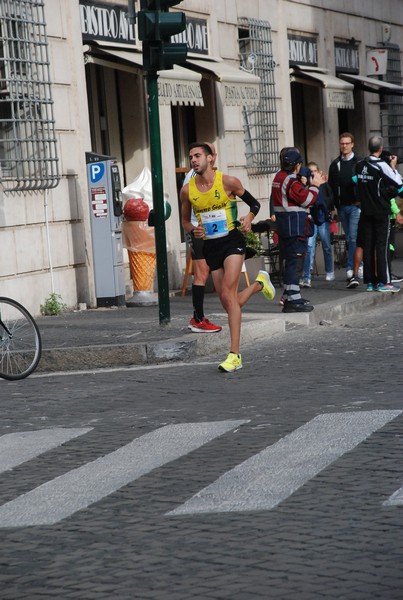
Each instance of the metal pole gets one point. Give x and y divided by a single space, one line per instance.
158 198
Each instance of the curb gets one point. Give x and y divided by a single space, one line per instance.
335 310
181 348
191 345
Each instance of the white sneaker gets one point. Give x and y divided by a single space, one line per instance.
349 274
330 276
361 272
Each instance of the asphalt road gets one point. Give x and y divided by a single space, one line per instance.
282 481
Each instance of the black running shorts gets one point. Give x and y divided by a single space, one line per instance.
196 246
216 251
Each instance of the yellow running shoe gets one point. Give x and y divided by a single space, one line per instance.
268 289
233 362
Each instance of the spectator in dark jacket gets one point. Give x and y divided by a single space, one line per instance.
341 172
377 184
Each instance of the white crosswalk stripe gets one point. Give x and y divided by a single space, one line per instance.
79 488
259 483
268 478
396 499
17 448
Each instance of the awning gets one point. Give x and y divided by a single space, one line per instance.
339 93
114 58
376 86
177 86
180 86
237 86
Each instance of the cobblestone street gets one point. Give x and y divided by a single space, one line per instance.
315 412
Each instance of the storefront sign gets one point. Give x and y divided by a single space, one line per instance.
346 58
339 98
182 92
105 22
377 62
195 36
302 50
241 94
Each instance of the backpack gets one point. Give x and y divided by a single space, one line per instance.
320 212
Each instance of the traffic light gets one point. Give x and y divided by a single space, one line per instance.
156 25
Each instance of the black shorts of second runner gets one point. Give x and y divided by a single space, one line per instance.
216 251
360 234
196 246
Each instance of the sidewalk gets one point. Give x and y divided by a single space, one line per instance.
112 337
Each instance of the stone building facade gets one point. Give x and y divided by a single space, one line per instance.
259 75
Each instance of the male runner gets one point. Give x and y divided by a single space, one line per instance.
199 323
212 195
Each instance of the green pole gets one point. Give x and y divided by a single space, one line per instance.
158 198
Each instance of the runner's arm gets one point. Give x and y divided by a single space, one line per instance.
254 207
233 187
186 214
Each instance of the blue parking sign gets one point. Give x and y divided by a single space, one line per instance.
97 171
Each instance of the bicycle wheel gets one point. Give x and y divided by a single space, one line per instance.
20 341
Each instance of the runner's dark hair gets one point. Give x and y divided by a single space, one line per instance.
205 147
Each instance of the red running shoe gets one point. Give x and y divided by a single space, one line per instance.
203 326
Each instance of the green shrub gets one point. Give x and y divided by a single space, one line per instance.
53 305
254 241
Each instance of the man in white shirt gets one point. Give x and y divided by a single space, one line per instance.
340 179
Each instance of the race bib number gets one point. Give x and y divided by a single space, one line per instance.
215 224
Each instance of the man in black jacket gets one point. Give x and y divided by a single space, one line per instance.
377 184
341 172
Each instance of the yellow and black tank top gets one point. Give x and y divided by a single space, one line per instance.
213 209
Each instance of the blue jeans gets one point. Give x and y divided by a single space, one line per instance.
349 216
324 234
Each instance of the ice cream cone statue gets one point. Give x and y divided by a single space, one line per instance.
139 236
142 267
139 240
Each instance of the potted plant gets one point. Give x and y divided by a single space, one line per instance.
253 244
254 255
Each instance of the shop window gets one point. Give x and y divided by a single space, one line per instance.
260 122
97 90
392 106
28 152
